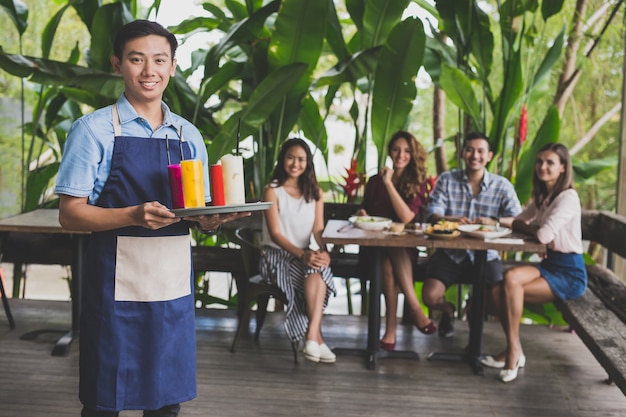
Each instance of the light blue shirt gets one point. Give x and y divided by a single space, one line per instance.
453 196
86 162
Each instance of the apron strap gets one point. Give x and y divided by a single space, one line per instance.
117 123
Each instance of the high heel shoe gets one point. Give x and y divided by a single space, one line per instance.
387 346
430 328
491 362
508 375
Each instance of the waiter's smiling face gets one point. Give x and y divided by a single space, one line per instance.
146 65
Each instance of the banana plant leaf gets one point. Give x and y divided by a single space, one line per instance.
297 37
263 101
511 92
86 10
458 88
243 31
551 8
358 66
552 57
18 13
334 35
380 17
547 133
586 171
36 183
394 81
49 72
312 125
106 22
47 36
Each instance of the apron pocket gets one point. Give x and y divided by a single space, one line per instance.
152 268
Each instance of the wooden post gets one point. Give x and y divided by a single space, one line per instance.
619 264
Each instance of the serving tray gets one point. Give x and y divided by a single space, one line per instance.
233 208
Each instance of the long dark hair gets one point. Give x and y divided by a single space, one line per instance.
565 181
307 181
414 174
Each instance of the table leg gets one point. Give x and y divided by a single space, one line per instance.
373 352
475 320
5 301
62 346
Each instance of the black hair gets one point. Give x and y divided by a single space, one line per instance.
138 29
307 181
477 135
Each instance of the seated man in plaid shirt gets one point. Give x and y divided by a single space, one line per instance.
470 195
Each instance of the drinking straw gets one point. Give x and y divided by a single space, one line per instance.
180 144
167 150
238 135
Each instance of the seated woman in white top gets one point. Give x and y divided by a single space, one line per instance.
297 213
553 217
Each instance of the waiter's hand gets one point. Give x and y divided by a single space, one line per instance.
153 216
213 221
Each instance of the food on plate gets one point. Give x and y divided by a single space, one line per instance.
485 229
443 227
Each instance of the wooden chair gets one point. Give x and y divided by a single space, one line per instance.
257 289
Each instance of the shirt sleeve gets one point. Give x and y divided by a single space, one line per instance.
511 205
439 198
79 166
564 208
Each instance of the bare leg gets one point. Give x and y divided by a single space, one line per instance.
390 290
433 294
403 275
315 294
521 284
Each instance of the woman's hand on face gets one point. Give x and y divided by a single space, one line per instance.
387 174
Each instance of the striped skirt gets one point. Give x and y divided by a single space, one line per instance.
289 273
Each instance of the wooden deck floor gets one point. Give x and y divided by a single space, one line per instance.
561 377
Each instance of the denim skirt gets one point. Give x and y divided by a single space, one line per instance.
565 273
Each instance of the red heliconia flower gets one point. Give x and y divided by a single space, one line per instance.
522 128
353 181
427 186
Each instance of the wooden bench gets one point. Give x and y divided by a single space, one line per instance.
599 316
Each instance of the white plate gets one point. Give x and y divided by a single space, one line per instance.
481 231
370 222
233 208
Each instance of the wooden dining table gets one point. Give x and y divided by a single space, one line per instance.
46 221
340 232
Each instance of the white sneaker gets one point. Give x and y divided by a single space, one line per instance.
327 355
312 351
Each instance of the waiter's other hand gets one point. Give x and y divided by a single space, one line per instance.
153 215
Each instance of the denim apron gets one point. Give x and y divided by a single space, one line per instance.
137 330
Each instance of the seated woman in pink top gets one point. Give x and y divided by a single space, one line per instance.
553 217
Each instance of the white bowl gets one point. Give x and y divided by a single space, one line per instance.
370 222
482 231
